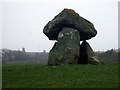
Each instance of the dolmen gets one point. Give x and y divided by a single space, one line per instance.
68 28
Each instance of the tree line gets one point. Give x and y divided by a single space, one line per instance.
109 55
9 56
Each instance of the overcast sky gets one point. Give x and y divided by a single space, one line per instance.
23 22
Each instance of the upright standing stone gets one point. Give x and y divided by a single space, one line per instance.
86 53
66 49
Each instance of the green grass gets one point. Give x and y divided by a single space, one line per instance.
65 76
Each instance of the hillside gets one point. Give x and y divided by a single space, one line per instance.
65 76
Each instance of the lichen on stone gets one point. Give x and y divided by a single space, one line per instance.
60 35
70 10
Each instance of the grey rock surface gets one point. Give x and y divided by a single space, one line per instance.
66 49
69 18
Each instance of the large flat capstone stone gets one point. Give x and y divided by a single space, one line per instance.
69 18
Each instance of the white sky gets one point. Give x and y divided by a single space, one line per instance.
23 22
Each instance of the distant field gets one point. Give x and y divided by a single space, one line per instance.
65 76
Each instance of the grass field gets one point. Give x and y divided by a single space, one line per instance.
65 76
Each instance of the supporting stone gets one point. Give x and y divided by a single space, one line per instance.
86 52
66 49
